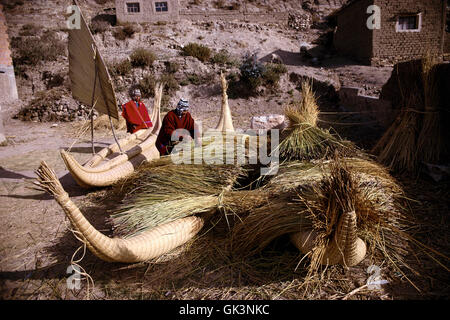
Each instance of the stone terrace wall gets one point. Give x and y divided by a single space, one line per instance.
390 46
269 17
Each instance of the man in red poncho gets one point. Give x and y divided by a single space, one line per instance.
136 113
179 118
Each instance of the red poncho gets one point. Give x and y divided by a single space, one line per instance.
170 123
137 118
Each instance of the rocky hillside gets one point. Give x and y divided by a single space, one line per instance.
187 55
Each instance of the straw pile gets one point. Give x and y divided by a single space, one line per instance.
102 123
303 139
307 195
162 191
418 134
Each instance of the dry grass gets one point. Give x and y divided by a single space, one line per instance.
301 193
101 123
397 149
430 144
418 134
303 139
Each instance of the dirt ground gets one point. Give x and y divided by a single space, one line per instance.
36 244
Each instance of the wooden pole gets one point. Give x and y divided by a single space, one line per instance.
109 113
92 104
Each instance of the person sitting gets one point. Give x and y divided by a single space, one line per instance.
135 113
178 118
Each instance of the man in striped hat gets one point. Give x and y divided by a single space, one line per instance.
135 113
178 118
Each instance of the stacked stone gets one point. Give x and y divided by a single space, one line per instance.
64 110
300 21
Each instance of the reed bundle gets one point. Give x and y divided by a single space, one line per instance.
418 134
313 196
303 139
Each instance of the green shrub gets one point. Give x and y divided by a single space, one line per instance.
130 29
232 77
170 83
32 50
147 86
272 73
125 31
251 72
199 51
99 26
222 58
196 79
172 67
165 103
142 58
52 80
29 29
121 68
193 79
12 4
119 34
184 82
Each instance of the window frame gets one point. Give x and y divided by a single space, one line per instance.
127 7
418 17
157 7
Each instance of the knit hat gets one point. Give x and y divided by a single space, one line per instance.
183 105
136 92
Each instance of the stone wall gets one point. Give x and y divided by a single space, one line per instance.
147 11
352 37
391 46
227 15
8 88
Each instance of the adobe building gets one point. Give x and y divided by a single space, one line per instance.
407 30
8 87
146 10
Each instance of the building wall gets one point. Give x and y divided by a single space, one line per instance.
147 11
352 37
391 46
8 87
447 32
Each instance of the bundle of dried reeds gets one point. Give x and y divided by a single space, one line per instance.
430 144
102 123
163 190
303 139
397 149
314 196
417 135
166 193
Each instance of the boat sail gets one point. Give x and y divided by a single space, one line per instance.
92 86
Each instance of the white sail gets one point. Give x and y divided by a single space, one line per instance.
87 71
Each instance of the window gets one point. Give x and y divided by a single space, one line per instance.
161 6
133 7
408 23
